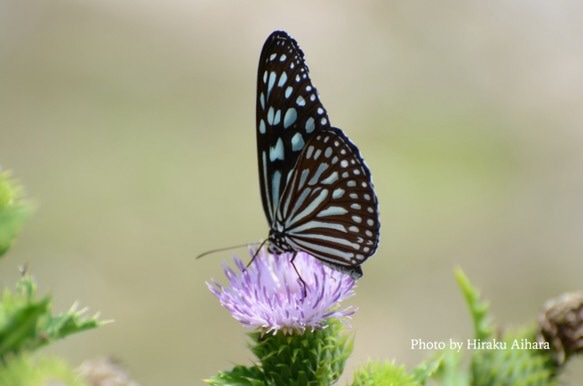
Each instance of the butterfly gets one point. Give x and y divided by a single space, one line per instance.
316 190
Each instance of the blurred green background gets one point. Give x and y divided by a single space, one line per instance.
131 124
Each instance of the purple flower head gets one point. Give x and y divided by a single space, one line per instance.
269 294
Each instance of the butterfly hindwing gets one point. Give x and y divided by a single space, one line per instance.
329 207
289 113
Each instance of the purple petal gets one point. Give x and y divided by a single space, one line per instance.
269 294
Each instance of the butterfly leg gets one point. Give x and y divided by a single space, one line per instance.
304 285
255 254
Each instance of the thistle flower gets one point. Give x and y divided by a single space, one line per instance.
270 295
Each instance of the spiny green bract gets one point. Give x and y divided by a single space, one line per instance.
13 210
383 374
312 358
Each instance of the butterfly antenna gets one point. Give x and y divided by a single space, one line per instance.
221 250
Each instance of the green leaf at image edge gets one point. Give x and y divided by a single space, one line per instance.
13 211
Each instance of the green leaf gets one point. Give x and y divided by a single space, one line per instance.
71 322
479 310
515 365
19 331
27 323
238 376
450 371
424 371
13 211
504 364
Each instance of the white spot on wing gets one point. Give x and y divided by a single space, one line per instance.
297 142
262 126
321 169
310 125
337 193
276 152
277 117
317 154
272 76
332 178
282 80
332 211
275 188
323 253
266 183
290 117
303 178
311 206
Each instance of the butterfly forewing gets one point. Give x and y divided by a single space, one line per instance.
289 113
329 207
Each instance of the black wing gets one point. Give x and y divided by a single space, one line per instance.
289 113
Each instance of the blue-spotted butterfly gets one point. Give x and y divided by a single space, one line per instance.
316 190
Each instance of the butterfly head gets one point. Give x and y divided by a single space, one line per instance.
278 243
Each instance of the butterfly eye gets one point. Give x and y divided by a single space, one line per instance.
316 190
